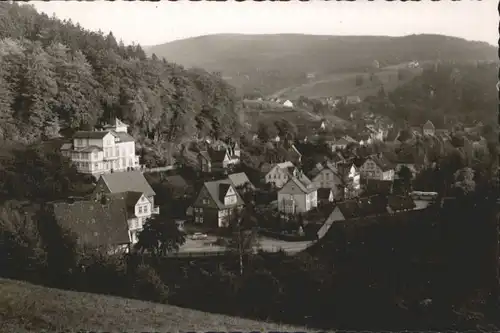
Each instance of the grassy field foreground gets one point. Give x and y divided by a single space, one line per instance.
30 308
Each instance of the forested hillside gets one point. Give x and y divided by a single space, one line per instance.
268 63
55 75
446 94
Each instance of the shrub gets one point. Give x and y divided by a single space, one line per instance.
148 285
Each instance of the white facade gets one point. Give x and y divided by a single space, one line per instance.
288 104
294 199
143 210
95 154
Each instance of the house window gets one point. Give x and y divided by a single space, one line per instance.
205 201
146 210
95 155
96 165
230 200
140 209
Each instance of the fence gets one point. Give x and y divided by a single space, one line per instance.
158 169
200 254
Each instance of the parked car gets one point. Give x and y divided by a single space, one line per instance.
198 236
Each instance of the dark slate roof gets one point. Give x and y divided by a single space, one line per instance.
124 137
398 202
127 181
214 190
177 181
223 188
362 207
213 155
94 223
131 199
90 134
240 179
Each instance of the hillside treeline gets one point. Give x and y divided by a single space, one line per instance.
55 75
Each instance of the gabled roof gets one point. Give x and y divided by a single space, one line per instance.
240 179
304 184
91 134
214 190
131 199
428 125
214 155
121 182
223 189
382 162
95 223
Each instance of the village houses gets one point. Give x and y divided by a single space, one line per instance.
279 174
97 152
297 196
377 167
219 157
216 203
327 175
341 143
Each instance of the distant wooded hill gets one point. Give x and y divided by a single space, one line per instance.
269 63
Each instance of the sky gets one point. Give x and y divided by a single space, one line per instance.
151 23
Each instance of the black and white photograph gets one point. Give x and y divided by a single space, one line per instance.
249 166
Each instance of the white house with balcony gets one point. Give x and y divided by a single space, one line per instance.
103 151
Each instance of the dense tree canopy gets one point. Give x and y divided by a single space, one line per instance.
55 75
446 94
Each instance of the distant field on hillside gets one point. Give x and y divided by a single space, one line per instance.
268 63
268 112
344 84
29 308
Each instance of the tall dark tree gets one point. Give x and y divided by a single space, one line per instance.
160 235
